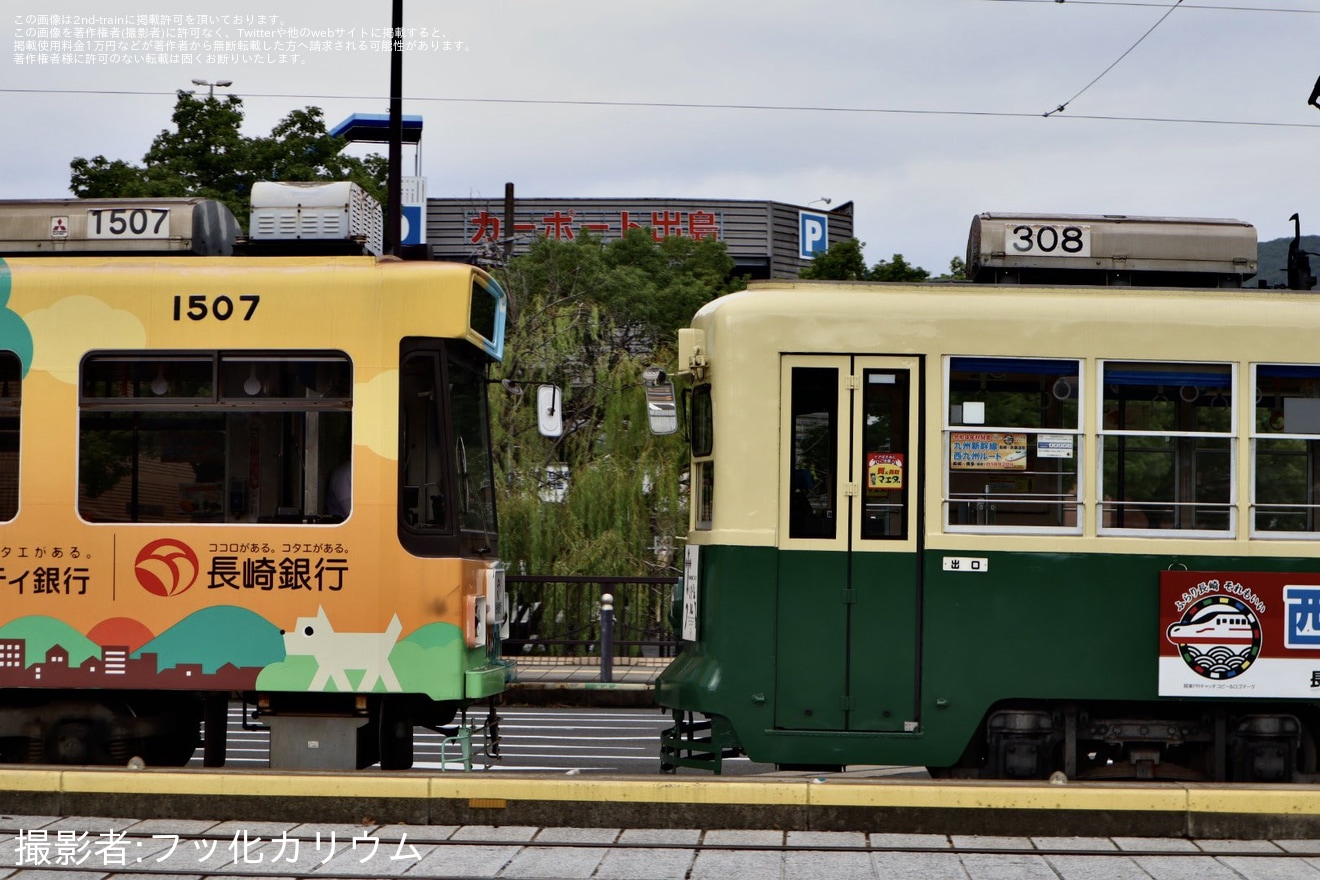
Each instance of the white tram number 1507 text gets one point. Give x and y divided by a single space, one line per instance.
199 307
128 223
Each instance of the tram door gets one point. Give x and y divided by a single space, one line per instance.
849 563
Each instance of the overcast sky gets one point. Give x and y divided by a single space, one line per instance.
921 112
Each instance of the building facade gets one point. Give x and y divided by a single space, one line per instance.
765 239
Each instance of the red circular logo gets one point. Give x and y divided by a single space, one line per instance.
166 567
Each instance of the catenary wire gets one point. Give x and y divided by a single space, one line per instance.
1138 3
1060 108
677 105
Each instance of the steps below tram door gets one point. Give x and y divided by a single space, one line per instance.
684 745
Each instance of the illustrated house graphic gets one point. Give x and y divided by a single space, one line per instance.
57 661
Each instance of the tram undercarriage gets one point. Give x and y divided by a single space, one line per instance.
1131 741
1273 744
66 727
308 731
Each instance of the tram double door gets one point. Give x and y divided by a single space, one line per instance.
849 573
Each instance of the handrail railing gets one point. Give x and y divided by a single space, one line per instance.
566 616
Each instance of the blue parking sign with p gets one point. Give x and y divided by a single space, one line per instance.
813 234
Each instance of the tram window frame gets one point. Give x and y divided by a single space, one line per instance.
1285 427
1166 398
702 421
266 434
1043 495
817 467
702 442
11 412
462 516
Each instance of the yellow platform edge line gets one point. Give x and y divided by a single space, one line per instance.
183 783
1276 801
1002 797
1270 800
622 790
30 780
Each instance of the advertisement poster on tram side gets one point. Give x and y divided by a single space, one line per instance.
987 451
1239 634
884 471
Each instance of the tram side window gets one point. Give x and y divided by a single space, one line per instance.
230 436
1286 450
702 424
884 454
815 427
1166 442
1013 443
11 396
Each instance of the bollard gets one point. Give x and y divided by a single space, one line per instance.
606 637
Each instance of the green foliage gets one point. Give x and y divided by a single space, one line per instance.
589 317
206 156
843 261
896 269
957 270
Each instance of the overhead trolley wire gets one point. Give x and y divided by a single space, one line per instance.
681 105
1276 9
1059 109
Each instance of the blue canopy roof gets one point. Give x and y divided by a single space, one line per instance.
374 128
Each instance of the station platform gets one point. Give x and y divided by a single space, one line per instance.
871 802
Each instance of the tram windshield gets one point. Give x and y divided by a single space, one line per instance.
446 469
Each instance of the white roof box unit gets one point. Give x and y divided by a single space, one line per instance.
1113 249
335 211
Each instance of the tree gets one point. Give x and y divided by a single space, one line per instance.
843 261
206 156
896 269
589 317
957 270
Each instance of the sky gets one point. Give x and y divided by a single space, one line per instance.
922 113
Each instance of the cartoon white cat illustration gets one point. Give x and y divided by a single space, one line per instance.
336 652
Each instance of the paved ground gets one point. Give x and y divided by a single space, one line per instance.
33 846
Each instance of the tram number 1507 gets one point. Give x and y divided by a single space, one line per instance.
1045 240
128 223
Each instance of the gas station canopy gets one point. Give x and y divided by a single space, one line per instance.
374 128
